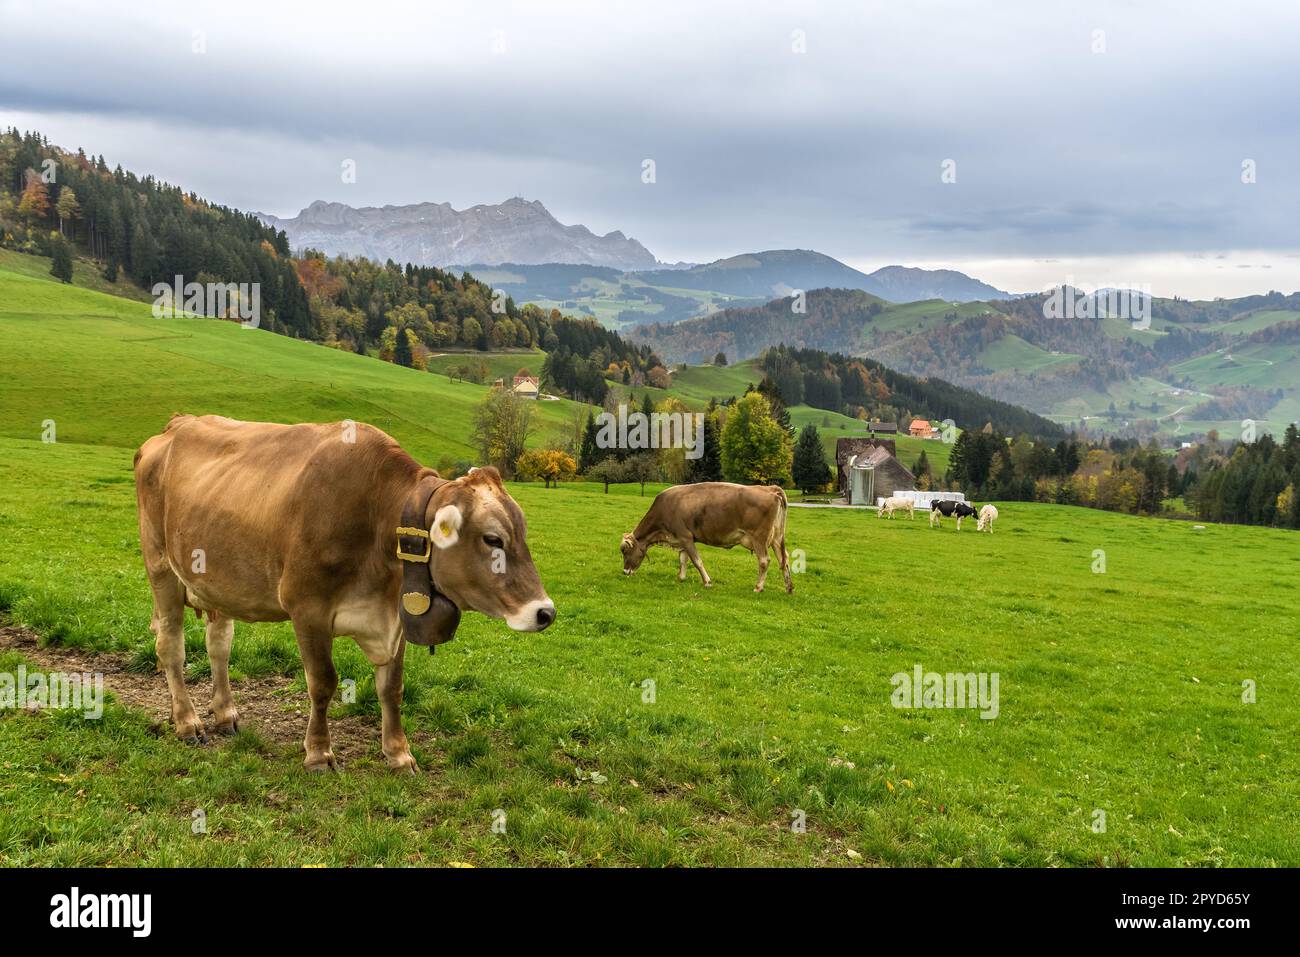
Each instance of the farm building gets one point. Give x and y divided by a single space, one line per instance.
526 386
876 475
859 455
883 428
922 429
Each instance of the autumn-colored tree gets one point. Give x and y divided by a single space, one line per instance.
550 465
388 344
35 204
67 208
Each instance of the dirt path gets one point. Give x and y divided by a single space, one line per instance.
267 706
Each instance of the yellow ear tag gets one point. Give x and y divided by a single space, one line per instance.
415 603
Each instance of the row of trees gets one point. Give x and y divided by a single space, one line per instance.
1253 482
1122 476
1256 483
740 440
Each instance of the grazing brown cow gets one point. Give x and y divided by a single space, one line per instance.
334 528
713 513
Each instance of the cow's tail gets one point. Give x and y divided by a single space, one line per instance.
778 527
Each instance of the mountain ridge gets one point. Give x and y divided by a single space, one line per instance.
437 234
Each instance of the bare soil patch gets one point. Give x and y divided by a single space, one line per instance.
268 706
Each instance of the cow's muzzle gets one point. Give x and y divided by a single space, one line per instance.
534 616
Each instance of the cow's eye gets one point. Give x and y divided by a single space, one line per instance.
493 541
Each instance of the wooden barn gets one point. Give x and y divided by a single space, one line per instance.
887 474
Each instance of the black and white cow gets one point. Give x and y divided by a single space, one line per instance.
947 509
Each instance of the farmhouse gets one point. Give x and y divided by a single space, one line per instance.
922 429
867 469
883 428
526 386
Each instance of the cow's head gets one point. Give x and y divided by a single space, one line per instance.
633 553
480 558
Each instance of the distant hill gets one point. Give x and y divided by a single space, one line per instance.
434 234
1199 365
777 272
765 275
908 284
833 321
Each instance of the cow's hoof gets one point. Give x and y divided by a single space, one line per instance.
403 764
195 739
227 728
321 764
191 732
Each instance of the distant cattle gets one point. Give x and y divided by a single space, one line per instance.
334 528
988 515
949 509
895 503
713 513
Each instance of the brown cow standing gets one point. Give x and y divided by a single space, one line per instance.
713 513
252 521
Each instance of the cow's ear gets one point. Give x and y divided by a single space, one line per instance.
445 531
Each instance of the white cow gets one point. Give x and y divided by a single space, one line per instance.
987 516
895 502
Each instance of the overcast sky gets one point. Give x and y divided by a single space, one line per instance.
1098 141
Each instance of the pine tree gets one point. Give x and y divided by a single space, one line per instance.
62 267
591 453
922 466
708 467
402 349
809 469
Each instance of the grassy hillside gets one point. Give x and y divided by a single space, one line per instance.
501 365
1119 691
108 373
1012 352
85 275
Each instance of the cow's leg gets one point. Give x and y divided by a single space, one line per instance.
694 556
316 646
388 684
681 570
763 562
168 626
220 633
783 558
